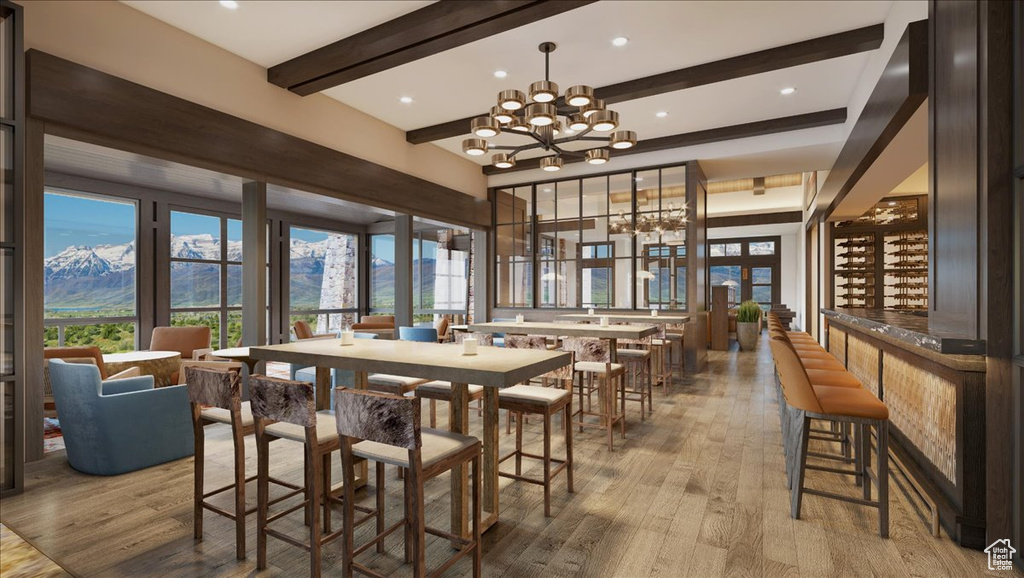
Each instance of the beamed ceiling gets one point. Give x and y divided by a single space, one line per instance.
716 68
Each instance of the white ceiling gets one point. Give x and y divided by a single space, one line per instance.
664 36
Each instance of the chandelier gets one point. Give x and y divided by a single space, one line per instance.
550 122
670 223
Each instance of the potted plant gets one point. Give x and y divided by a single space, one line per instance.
748 324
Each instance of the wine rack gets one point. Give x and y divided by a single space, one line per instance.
880 260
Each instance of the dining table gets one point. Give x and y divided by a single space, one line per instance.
612 333
493 368
659 319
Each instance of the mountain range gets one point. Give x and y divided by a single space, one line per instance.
103 277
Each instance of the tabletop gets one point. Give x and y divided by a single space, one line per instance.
661 318
569 329
238 353
137 356
490 367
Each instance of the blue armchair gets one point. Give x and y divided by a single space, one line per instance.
119 426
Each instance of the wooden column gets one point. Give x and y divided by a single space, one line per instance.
481 277
31 243
403 271
696 333
971 209
254 263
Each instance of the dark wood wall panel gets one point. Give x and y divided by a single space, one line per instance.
125 115
697 298
953 172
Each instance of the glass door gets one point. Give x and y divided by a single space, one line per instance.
751 268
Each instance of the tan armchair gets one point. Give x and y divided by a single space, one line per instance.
375 322
90 355
185 340
442 326
304 331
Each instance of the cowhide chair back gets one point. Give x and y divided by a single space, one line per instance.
541 343
214 387
588 349
392 420
481 338
282 400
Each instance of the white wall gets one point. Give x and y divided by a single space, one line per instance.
793 276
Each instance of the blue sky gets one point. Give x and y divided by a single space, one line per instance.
86 221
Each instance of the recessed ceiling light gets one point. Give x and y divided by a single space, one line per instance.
548 190
405 100
661 114
500 74
787 91
620 41
229 4
892 203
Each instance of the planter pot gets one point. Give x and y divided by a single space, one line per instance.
747 334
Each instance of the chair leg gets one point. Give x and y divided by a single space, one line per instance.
263 499
582 385
477 513
883 479
568 443
650 387
519 443
409 505
798 482
348 505
433 413
239 443
622 393
197 480
325 476
609 405
381 493
547 464
865 440
314 494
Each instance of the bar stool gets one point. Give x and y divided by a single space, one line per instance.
639 368
402 384
545 401
214 392
386 429
286 409
857 406
593 360
442 390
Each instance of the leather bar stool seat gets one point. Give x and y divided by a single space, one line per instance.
851 402
833 378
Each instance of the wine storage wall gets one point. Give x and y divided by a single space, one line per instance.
880 260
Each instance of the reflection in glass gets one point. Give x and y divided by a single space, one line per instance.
195 285
512 205
6 184
7 313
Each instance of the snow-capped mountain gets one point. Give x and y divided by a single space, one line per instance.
77 262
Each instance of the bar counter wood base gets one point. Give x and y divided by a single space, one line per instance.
937 417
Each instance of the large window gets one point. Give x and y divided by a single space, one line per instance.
612 241
440 271
206 274
382 274
89 287
323 273
750 267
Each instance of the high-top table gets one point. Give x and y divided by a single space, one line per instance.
611 332
659 319
492 367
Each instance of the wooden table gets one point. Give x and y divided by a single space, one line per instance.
660 319
160 364
493 368
240 354
611 332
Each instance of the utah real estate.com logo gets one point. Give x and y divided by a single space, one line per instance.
1000 555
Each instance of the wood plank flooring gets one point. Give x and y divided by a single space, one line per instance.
697 490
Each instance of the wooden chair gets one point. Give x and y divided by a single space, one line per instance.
214 392
402 384
639 363
185 340
545 401
386 429
286 409
442 390
593 360
89 354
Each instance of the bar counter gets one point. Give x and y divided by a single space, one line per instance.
934 388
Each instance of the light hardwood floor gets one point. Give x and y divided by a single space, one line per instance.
699 490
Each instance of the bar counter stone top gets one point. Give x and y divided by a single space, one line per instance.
911 331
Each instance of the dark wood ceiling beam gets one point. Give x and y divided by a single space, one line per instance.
435 28
808 51
750 129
